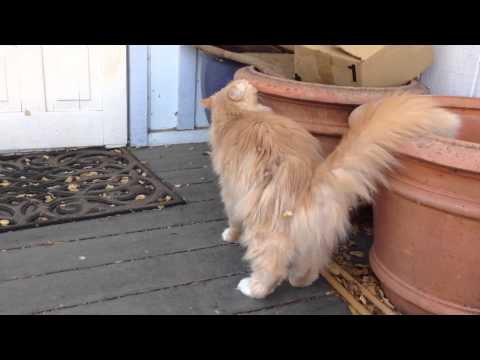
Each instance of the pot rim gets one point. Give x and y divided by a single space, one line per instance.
443 151
324 93
457 102
455 154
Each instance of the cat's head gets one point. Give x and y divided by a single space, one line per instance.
238 95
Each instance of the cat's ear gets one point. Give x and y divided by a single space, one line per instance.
237 91
207 103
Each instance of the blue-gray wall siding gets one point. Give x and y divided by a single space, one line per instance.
138 95
164 95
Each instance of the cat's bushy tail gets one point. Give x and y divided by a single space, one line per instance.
353 171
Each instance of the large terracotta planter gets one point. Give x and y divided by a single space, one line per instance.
426 249
322 109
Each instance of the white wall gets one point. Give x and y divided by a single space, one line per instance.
455 71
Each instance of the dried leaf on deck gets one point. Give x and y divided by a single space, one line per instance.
73 187
358 254
364 266
363 300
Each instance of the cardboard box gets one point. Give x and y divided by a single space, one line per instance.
361 65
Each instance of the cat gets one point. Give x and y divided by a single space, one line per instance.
286 202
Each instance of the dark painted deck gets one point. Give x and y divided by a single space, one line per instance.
169 261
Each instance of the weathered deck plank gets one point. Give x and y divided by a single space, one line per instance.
189 176
214 297
315 305
38 294
172 151
115 225
169 261
162 158
102 251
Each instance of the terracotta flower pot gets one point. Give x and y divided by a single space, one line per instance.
322 109
426 249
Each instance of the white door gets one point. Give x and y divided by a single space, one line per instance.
60 96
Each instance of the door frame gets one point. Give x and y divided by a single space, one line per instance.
187 82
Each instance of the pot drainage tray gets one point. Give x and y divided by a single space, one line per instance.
63 186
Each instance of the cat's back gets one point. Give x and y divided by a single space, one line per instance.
286 135
269 137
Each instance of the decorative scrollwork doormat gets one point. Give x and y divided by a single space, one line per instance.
63 186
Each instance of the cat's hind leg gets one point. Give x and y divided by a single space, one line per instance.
234 230
232 233
303 271
269 255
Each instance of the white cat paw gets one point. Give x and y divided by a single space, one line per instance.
244 287
228 235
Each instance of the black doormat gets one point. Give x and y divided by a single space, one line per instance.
55 187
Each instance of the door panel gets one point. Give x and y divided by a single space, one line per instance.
9 80
62 96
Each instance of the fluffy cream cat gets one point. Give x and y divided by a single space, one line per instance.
287 203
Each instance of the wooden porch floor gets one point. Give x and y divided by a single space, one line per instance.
169 261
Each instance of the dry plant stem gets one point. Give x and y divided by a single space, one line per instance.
352 310
358 307
337 269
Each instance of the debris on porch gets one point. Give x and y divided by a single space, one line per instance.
163 261
53 187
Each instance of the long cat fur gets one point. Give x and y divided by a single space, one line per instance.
287 203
